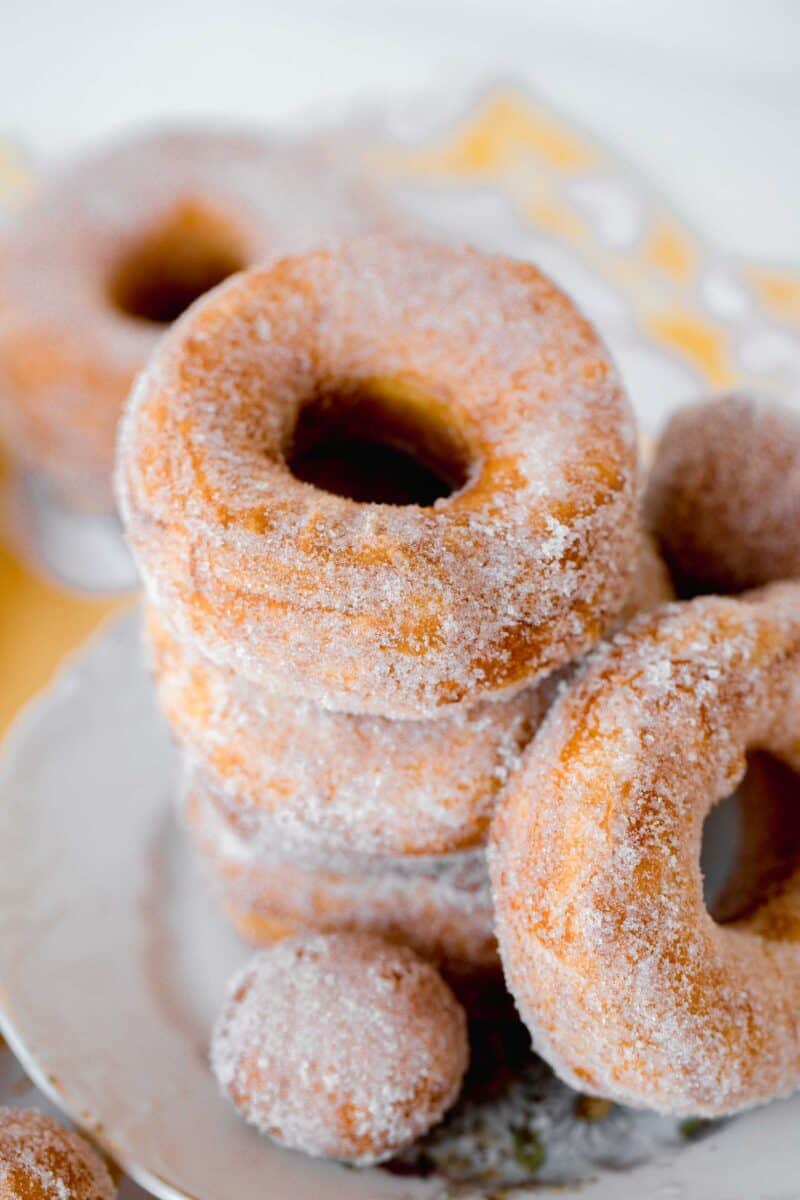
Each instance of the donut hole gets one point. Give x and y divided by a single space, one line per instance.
751 840
379 442
175 263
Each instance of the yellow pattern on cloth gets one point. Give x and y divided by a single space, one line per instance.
559 182
39 624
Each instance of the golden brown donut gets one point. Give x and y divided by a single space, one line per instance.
724 494
116 246
340 1045
441 907
628 986
42 1160
475 362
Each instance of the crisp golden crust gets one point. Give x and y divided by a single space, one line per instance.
628 986
441 907
341 1045
724 494
42 1160
128 234
397 611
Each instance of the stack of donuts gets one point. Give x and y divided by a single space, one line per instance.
384 499
353 682
368 685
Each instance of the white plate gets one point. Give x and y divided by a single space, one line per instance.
113 960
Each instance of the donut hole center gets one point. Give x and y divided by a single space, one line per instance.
381 441
176 262
751 840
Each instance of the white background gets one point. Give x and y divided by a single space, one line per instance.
705 94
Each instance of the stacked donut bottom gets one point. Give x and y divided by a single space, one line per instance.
312 820
307 819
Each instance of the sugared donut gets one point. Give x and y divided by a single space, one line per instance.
115 246
441 907
724 494
359 784
476 363
628 986
42 1160
341 1045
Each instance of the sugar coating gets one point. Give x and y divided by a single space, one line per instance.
440 906
724 494
42 1160
68 355
629 988
395 611
340 1045
362 785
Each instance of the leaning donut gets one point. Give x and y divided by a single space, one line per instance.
476 363
441 907
114 247
628 986
724 494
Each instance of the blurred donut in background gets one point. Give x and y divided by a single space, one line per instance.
723 497
116 246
